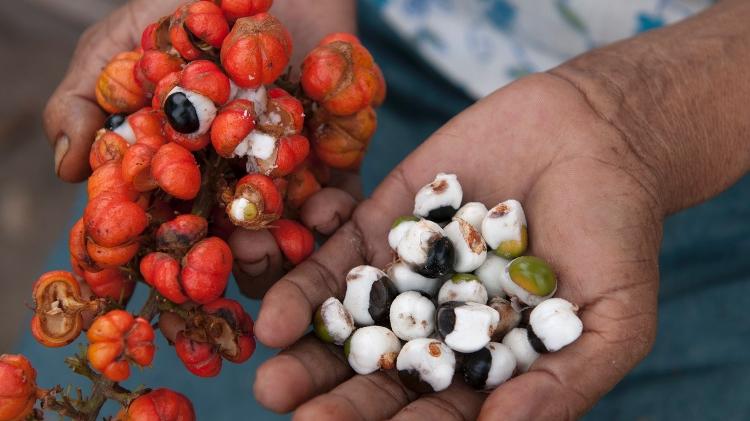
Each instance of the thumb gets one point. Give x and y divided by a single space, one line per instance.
72 115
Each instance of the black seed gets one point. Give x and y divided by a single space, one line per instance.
181 113
412 380
439 259
442 214
525 314
535 342
476 368
446 317
114 121
382 294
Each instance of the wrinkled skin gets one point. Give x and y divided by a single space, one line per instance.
537 141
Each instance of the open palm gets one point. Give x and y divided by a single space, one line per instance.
589 215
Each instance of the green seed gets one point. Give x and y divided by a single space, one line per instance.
320 329
533 274
401 219
457 278
513 248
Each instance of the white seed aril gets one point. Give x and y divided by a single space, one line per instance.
473 213
504 222
518 342
472 326
440 199
125 131
462 287
358 298
425 360
556 323
489 367
406 279
491 273
412 316
470 251
205 109
335 321
426 248
258 96
398 231
372 348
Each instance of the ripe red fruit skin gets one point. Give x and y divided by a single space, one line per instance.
78 250
341 75
195 28
290 112
108 146
295 241
55 291
257 51
156 35
111 257
147 125
109 178
292 151
117 91
200 76
241 324
207 79
175 170
181 233
111 283
302 184
341 141
162 272
136 167
232 124
158 405
111 220
206 269
153 66
18 391
200 358
235 9
116 338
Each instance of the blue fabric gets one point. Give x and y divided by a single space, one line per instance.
698 369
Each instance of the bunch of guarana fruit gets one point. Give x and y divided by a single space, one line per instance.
208 132
460 297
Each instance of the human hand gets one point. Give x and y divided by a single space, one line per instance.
72 117
592 214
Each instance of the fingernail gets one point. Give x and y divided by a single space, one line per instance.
61 148
254 268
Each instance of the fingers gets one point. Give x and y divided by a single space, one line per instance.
72 116
258 261
459 402
375 396
326 210
305 370
287 308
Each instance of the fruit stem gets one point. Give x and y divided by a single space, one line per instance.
206 199
151 306
87 409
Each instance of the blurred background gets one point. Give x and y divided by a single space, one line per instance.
37 38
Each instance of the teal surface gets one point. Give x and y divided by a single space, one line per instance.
698 369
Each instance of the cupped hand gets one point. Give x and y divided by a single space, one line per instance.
590 213
72 117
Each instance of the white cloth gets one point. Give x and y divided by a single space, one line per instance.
481 45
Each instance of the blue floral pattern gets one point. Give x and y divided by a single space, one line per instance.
481 45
